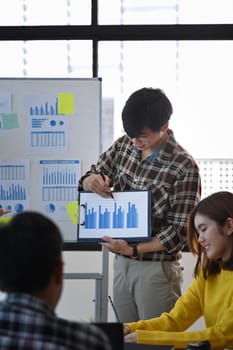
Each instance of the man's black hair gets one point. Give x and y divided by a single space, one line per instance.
30 246
146 108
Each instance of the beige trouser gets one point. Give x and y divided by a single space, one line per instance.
145 289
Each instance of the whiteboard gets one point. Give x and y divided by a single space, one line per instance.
50 134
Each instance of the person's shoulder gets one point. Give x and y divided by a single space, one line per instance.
184 158
177 154
123 139
122 142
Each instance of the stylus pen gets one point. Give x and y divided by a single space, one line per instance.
114 309
103 177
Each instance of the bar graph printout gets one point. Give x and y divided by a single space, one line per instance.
127 216
14 185
59 179
48 129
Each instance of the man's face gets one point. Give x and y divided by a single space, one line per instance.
148 140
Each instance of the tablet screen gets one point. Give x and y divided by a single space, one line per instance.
127 215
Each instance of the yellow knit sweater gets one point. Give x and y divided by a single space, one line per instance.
211 298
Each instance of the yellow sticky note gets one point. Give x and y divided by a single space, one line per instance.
72 211
5 219
65 103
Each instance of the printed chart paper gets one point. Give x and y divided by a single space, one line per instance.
48 130
14 185
59 179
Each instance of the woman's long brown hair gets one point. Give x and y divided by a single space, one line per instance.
217 207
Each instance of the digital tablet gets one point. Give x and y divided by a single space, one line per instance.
126 215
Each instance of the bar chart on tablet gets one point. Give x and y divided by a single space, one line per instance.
126 215
117 217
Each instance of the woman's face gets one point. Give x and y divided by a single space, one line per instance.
215 240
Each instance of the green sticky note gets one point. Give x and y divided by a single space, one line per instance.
65 103
10 121
72 211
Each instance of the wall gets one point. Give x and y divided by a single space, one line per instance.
77 299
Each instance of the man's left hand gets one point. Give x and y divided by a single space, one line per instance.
118 246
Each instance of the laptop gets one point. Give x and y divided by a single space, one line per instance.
133 346
114 331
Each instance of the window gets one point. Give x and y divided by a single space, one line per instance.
45 12
195 74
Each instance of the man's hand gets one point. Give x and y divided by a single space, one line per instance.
118 246
98 184
3 212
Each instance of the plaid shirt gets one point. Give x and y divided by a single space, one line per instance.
173 178
28 323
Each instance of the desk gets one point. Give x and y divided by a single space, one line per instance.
114 331
133 346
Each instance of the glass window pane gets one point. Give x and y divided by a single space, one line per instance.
46 12
165 11
128 66
137 12
46 59
11 17
197 76
204 96
11 59
205 11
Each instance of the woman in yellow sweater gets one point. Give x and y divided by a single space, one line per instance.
210 237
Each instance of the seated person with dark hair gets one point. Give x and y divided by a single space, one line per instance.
31 273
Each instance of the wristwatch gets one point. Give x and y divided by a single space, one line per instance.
135 251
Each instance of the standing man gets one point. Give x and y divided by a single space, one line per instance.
31 275
148 275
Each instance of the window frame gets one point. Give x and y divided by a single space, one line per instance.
97 33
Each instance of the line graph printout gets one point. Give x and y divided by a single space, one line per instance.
127 216
47 128
59 179
14 185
